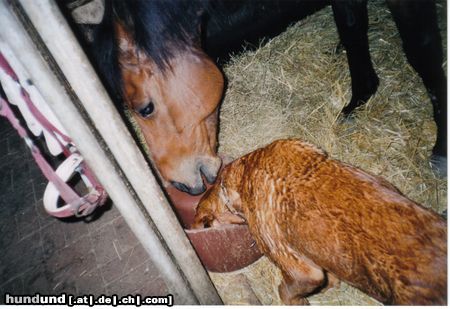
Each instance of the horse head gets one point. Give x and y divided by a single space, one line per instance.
176 108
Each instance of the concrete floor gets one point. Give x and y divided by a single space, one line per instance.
42 254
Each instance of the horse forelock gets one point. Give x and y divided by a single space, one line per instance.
159 28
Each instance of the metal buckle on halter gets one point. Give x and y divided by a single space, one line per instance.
90 206
76 208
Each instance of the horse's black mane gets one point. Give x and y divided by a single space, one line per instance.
158 27
161 27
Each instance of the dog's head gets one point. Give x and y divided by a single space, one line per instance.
220 205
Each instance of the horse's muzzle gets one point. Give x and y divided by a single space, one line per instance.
207 169
190 190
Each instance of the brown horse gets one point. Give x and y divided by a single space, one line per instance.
176 109
155 54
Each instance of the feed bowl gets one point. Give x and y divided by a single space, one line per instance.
225 248
221 249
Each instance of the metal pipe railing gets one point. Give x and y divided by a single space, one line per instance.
173 254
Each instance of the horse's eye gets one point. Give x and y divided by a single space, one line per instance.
147 110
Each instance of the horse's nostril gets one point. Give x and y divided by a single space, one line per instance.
197 190
210 177
210 170
180 186
192 191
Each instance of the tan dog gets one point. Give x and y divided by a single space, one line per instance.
319 219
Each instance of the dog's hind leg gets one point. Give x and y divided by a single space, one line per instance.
300 279
332 282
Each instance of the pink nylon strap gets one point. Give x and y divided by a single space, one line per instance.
7 68
79 206
44 121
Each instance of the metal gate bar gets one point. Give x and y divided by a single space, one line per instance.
60 69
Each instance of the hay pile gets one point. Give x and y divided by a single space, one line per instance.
296 85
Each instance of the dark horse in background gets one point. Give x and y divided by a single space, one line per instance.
160 57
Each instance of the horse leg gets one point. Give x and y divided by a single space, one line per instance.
417 24
352 24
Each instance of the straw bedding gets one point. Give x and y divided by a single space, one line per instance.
295 86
